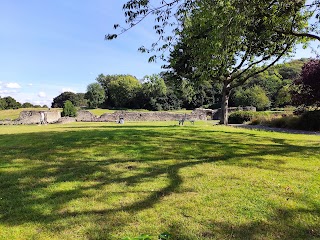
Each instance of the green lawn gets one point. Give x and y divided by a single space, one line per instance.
109 181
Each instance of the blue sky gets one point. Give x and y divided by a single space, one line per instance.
48 47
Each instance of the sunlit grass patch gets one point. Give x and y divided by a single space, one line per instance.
108 181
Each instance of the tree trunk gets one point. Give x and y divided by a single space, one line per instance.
225 103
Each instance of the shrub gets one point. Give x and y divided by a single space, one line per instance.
291 122
69 110
310 120
240 117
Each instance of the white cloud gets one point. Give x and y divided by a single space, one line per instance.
30 84
42 94
67 90
5 91
12 85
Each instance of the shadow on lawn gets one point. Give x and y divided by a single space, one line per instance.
128 156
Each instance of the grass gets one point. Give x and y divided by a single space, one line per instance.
108 181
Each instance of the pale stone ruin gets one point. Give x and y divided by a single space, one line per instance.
34 117
199 114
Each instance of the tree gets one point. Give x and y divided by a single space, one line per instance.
154 90
11 103
3 104
227 40
58 102
254 96
27 105
95 95
80 100
312 13
307 86
69 110
283 97
250 46
123 91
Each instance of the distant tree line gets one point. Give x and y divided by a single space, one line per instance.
179 88
11 103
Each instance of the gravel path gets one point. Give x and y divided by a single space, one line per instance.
272 129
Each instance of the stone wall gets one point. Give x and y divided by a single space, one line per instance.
86 116
33 117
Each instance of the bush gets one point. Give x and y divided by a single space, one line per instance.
240 117
69 110
310 121
291 122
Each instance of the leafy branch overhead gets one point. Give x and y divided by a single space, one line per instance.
168 16
227 41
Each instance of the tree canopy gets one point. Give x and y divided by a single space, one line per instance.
95 95
226 41
307 91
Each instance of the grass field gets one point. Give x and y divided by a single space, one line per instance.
108 181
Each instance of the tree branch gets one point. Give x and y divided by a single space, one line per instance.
262 69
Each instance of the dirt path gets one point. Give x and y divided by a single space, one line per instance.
272 129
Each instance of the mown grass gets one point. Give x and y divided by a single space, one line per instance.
108 181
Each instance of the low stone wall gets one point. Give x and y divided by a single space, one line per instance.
64 120
33 117
86 116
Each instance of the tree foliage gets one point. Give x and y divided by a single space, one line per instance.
27 105
11 103
77 99
95 95
3 104
307 86
69 110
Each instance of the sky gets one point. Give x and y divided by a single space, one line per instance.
49 47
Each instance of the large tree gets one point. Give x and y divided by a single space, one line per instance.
228 40
77 99
231 41
11 103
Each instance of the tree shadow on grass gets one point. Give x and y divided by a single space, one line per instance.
39 181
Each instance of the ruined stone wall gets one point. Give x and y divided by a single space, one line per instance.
33 117
86 116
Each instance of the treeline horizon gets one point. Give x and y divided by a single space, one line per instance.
168 91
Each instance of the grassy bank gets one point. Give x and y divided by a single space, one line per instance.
108 181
